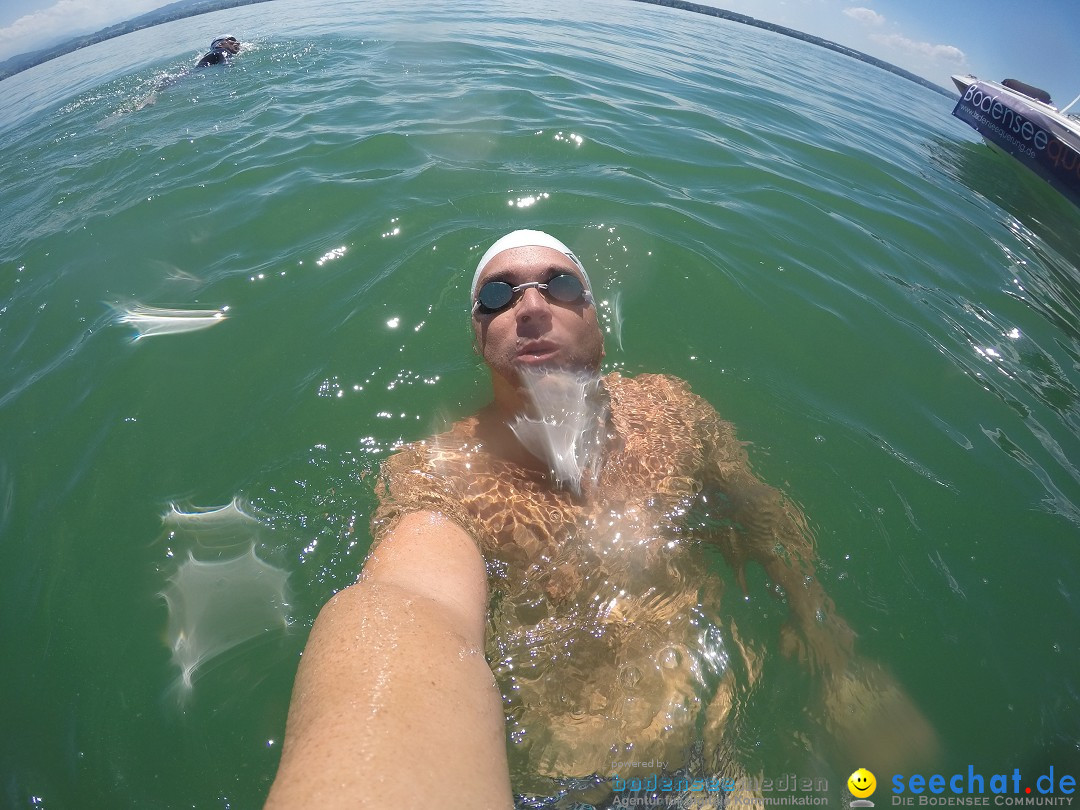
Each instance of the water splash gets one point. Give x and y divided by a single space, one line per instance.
569 429
151 321
613 318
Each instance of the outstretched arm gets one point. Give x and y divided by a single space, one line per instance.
394 704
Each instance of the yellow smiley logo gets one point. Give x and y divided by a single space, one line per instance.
862 783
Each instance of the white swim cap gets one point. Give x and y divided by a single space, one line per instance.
518 239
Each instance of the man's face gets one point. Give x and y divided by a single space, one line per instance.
231 44
535 331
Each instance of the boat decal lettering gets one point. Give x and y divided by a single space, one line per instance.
1033 136
1011 123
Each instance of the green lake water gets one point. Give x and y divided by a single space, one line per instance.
886 308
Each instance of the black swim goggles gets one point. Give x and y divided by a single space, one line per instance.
566 288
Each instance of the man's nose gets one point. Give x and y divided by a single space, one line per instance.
532 304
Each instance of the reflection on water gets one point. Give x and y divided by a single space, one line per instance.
218 599
1036 221
1030 265
211 519
150 321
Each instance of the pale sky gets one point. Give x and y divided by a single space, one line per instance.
993 39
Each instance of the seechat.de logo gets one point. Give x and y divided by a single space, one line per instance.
977 789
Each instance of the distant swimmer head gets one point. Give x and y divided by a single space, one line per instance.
230 44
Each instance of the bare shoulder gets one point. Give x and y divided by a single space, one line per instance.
647 382
664 398
426 454
424 477
664 390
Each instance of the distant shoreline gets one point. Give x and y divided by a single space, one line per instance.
733 16
193 8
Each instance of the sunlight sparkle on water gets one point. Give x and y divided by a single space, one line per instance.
330 255
529 201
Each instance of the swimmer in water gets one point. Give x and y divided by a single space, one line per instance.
557 621
221 52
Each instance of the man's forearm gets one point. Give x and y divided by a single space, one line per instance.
394 706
